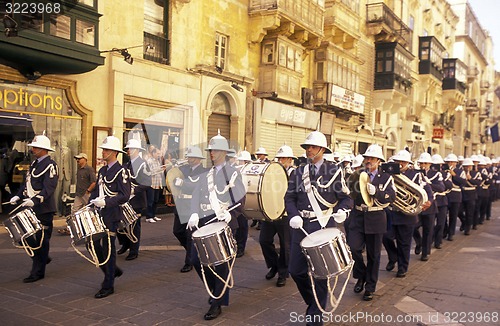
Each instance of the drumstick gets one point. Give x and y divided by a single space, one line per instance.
15 209
237 205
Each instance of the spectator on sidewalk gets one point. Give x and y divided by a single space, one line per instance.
154 192
85 182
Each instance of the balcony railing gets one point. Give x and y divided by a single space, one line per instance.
156 48
379 13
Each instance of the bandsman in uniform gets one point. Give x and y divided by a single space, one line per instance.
469 193
219 190
140 181
426 219
278 264
37 192
483 192
241 235
191 172
397 240
113 189
441 200
316 192
458 180
369 223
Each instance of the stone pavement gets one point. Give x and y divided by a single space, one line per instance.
459 285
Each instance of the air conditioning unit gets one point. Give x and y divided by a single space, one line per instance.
307 98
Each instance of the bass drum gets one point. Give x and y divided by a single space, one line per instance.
266 185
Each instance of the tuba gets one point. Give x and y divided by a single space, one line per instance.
409 195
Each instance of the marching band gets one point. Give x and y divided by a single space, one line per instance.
372 201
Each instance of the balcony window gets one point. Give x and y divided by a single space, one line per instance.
32 21
156 45
60 26
85 32
449 69
268 53
221 43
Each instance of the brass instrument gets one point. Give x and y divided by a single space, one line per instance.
409 195
364 179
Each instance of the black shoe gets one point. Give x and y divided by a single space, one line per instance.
424 258
418 249
390 266
272 273
31 279
104 293
210 300
461 228
118 272
467 232
281 281
474 227
186 268
368 296
48 260
131 257
359 286
240 254
122 250
438 246
450 238
401 274
254 223
213 313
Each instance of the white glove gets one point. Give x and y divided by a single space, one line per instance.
224 216
193 221
14 199
340 216
131 196
371 188
296 222
28 203
99 202
178 182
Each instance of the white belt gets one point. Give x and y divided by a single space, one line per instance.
497 181
310 214
456 189
185 196
486 187
364 208
469 188
440 194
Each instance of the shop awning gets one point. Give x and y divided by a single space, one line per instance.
17 125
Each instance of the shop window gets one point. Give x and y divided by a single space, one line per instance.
221 43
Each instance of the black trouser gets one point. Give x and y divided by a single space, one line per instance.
241 235
129 244
425 240
397 243
183 234
41 255
266 239
469 207
102 249
439 226
453 209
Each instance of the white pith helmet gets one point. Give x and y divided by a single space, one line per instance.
425 158
460 158
403 156
329 157
474 158
261 151
482 161
346 158
451 158
467 162
336 154
112 143
194 152
285 151
218 143
357 161
488 160
374 150
437 159
134 144
41 141
231 153
244 156
316 138
494 161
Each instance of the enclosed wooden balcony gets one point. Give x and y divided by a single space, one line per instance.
341 24
299 20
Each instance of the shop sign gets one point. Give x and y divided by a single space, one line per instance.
438 133
32 98
346 99
289 115
168 116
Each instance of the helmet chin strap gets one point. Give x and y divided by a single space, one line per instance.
310 160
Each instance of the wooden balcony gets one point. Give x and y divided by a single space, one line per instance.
299 20
383 23
342 25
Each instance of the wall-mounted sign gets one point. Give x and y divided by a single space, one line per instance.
289 115
346 99
438 133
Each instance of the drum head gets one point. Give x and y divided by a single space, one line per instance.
274 185
320 237
172 174
209 229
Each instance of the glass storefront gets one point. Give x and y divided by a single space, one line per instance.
27 110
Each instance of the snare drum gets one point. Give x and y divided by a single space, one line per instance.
129 216
266 185
327 253
215 243
22 225
86 225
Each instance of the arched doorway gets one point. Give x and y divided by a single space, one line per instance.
220 119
